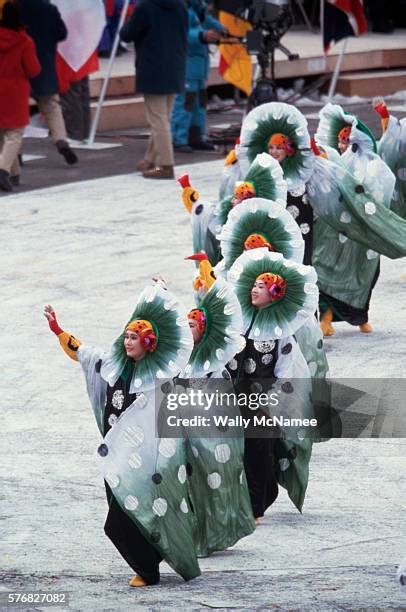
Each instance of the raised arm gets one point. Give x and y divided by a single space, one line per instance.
69 343
380 107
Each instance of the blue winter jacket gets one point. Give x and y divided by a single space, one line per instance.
198 60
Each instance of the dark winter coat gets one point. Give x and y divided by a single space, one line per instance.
18 63
46 27
159 30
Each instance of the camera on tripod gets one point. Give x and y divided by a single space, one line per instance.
271 19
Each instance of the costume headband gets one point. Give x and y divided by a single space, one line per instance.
198 315
256 241
275 284
244 190
146 332
282 141
344 134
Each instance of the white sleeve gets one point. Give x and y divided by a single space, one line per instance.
91 359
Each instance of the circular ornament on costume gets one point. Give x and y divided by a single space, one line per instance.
287 349
118 399
265 346
103 450
266 359
182 475
112 420
131 503
250 366
287 387
293 210
298 192
233 364
135 461
256 387
167 447
222 453
214 480
370 208
160 506
112 480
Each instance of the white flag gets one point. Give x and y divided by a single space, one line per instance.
85 20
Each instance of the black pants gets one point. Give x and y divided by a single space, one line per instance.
76 109
261 475
140 555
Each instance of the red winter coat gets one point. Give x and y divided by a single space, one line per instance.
18 64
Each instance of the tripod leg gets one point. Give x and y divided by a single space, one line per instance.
304 14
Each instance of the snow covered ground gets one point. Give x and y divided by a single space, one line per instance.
88 249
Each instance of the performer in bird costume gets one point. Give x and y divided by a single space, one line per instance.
153 512
392 149
351 194
262 223
263 179
281 130
276 296
225 516
231 172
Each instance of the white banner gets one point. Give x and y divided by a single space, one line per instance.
85 20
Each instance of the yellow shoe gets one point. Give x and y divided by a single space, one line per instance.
137 581
325 323
365 328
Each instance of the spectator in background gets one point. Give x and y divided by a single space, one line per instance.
189 113
158 29
113 13
18 64
75 95
46 27
381 15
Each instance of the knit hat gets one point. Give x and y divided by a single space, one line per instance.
146 333
256 241
283 142
244 190
275 284
344 134
198 315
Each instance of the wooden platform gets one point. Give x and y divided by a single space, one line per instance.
374 64
376 83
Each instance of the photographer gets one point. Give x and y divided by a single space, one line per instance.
189 113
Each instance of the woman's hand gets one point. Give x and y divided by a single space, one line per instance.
50 315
